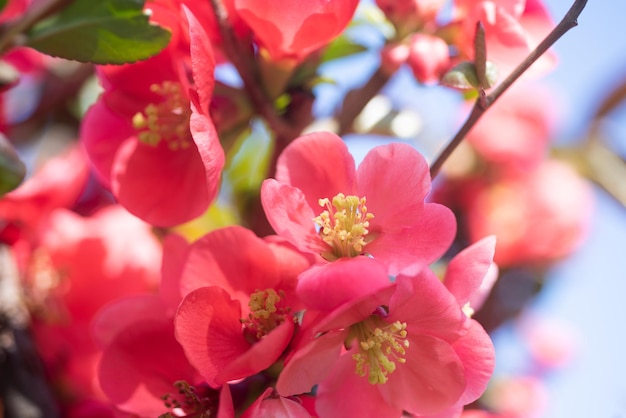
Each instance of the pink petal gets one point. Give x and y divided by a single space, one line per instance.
209 329
409 250
478 357
346 394
431 380
427 307
102 133
310 364
161 186
141 365
325 287
113 318
320 165
467 269
290 216
234 259
395 180
202 60
175 253
260 356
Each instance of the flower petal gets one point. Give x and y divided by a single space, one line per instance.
234 259
395 180
431 380
290 215
409 250
467 269
346 394
161 186
325 287
320 165
208 327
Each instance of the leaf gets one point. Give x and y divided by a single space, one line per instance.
463 76
12 169
342 47
3 4
101 32
480 55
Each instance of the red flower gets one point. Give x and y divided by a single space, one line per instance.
377 210
150 136
238 313
293 29
407 347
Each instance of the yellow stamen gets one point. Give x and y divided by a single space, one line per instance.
267 311
167 120
381 346
344 226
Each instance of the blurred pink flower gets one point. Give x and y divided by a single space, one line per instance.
538 218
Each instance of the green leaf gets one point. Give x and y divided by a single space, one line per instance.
3 4
463 76
12 169
342 47
101 32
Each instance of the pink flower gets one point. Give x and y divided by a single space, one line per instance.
377 210
143 368
515 135
150 136
294 29
512 28
407 347
237 315
540 217
428 58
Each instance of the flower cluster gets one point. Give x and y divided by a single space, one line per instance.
162 279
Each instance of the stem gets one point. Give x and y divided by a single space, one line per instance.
569 21
356 100
242 58
30 19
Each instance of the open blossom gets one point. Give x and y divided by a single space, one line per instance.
150 137
406 347
323 205
293 29
237 315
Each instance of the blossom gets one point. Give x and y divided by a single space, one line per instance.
81 265
294 29
377 209
512 30
237 315
537 218
428 57
516 135
406 347
143 370
150 137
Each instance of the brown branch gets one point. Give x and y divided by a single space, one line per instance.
32 16
569 21
241 56
356 100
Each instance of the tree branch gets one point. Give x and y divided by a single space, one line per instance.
569 21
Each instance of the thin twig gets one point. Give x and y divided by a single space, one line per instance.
32 16
242 58
356 100
569 21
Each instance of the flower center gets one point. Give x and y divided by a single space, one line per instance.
343 226
267 311
381 345
167 120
